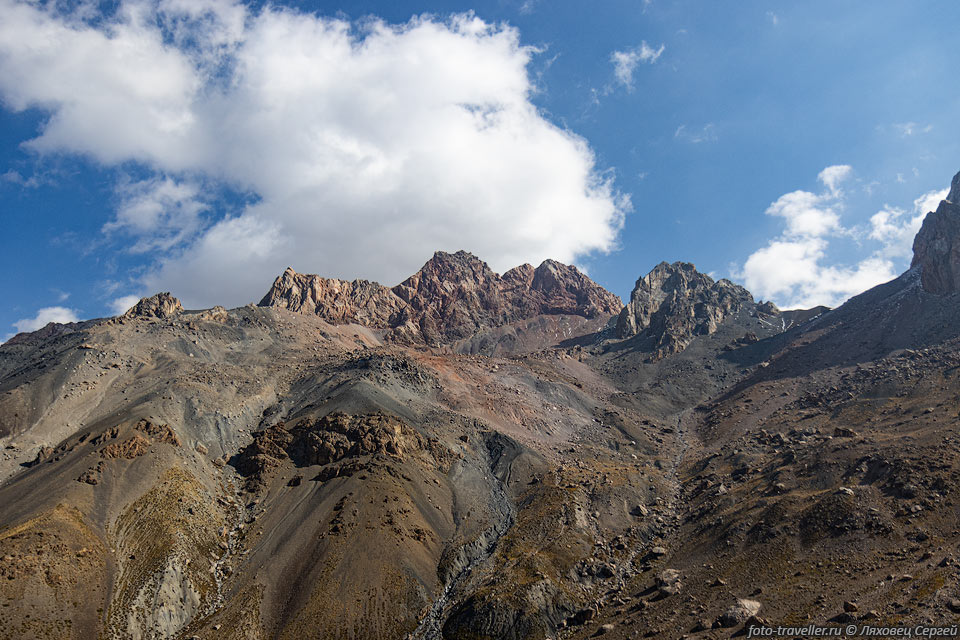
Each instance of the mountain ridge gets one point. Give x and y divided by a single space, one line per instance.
464 457
450 298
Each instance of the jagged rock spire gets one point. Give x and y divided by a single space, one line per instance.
936 248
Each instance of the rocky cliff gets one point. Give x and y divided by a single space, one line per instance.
936 248
675 302
452 297
336 301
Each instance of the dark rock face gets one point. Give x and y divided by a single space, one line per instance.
539 615
675 302
324 441
336 301
936 249
162 305
954 195
450 298
559 288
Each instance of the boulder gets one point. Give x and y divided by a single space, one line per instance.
668 582
738 613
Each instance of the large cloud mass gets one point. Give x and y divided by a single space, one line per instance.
363 146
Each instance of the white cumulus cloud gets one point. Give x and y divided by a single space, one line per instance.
806 214
364 146
793 269
895 228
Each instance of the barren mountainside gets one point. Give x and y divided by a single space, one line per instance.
469 455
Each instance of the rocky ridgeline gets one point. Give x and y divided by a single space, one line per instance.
452 297
336 301
936 248
675 302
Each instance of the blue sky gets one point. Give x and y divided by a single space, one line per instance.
202 146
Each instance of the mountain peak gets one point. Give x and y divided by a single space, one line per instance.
162 305
936 247
564 289
443 272
674 302
954 195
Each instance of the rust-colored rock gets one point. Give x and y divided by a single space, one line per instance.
326 440
453 296
131 448
159 432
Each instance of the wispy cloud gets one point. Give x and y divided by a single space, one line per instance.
527 6
706 133
626 62
907 129
160 213
12 176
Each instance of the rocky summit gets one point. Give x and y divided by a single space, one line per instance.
675 302
162 305
469 455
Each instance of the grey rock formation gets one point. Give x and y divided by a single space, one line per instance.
738 613
675 302
954 195
936 248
